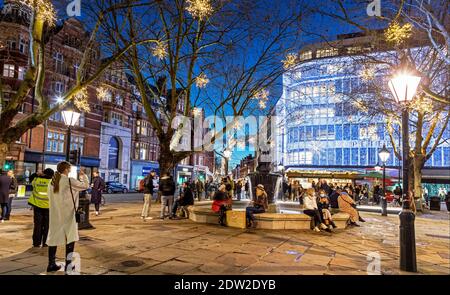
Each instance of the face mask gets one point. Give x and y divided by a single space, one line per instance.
322 195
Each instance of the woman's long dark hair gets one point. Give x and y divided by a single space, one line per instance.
60 168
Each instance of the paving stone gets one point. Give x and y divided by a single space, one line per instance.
174 267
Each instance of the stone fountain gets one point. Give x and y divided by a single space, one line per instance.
269 180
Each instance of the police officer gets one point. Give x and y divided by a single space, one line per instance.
39 202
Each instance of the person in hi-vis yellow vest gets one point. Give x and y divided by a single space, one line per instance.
39 201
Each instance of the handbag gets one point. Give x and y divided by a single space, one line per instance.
78 212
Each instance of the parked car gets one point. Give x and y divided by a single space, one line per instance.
115 187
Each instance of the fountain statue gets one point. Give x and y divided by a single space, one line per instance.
269 180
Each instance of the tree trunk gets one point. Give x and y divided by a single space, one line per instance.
4 147
166 157
419 161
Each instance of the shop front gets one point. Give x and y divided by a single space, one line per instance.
35 161
140 169
307 177
184 173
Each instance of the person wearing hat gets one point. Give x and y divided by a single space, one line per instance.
260 205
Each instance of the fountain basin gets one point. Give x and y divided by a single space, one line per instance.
201 212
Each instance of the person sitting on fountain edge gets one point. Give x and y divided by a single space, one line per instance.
260 205
324 206
221 203
312 210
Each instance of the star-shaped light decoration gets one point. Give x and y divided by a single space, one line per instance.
397 33
43 10
201 81
423 105
102 92
160 50
196 112
290 61
199 9
80 100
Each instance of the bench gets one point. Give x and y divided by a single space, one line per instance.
236 219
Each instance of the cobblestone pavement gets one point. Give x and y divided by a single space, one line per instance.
122 243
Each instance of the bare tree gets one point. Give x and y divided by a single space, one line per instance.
224 55
43 19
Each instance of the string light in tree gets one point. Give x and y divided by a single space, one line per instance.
201 81
199 9
43 9
80 100
102 93
160 50
397 33
196 112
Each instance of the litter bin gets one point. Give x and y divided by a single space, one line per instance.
435 203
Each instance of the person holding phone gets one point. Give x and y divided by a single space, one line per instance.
63 195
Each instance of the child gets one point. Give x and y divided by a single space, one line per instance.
323 206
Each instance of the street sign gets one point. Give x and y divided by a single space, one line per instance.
21 191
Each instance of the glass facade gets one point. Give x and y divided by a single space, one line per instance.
324 129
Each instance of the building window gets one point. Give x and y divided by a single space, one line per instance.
77 142
116 119
58 59
119 100
8 70
305 55
21 75
22 45
354 50
11 44
58 87
55 142
326 52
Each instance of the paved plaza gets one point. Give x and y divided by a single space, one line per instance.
122 243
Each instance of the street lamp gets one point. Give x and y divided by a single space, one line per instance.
227 156
70 117
384 156
403 87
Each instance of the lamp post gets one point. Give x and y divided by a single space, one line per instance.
403 87
71 117
384 156
227 156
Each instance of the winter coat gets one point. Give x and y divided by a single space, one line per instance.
5 182
98 185
167 186
220 198
310 203
148 185
63 228
14 186
188 198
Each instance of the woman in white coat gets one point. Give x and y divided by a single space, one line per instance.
63 229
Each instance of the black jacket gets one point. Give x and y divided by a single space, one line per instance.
5 182
334 200
148 184
188 197
14 186
167 186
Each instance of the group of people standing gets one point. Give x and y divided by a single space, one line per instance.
167 189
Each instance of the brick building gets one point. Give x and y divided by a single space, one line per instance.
45 145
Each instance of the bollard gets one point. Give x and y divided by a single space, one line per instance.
383 206
407 239
84 222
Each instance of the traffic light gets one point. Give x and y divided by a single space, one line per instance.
9 165
74 157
